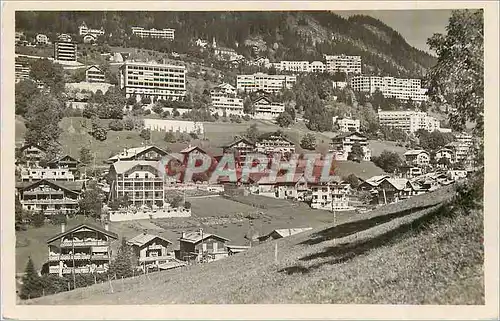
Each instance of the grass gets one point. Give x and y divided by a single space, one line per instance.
377 147
422 256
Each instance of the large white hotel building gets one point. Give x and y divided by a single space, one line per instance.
158 81
265 82
409 120
399 88
343 63
154 33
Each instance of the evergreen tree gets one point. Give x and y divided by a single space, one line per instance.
122 266
32 286
356 153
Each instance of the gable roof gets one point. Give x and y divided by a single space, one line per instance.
123 166
189 149
243 139
276 133
415 152
92 67
285 232
30 145
195 237
80 226
58 159
143 239
132 152
398 183
344 135
70 186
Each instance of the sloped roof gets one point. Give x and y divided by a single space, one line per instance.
123 166
30 145
195 237
84 225
71 186
143 239
190 149
244 140
344 135
286 232
55 160
172 264
94 66
415 152
131 152
398 183
375 180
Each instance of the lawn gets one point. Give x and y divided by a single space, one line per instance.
377 147
392 256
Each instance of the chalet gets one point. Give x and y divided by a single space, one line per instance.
202 247
410 171
391 190
150 251
265 108
446 153
235 249
145 153
281 233
141 182
294 188
457 174
342 144
83 249
65 161
64 37
241 148
30 155
277 142
372 182
88 38
50 196
54 174
333 196
94 74
418 157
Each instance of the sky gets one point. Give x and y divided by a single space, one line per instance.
416 26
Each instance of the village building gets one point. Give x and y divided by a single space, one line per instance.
226 53
409 121
410 171
41 39
295 188
65 162
446 153
391 190
140 32
332 196
94 74
277 142
140 181
51 197
22 69
281 233
225 102
241 148
143 153
265 108
30 155
235 249
89 38
83 30
342 145
343 63
417 157
53 174
65 51
151 251
372 182
265 82
84 249
64 37
347 125
200 246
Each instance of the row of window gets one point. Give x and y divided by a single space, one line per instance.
163 69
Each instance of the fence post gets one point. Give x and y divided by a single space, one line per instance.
69 288
110 285
276 253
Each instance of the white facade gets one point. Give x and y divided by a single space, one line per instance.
65 51
84 30
343 63
94 74
391 87
408 120
332 197
342 145
265 82
266 109
54 174
300 66
154 33
173 125
347 124
418 157
42 39
339 84
156 80
224 100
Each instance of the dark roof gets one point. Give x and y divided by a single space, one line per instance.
245 140
76 228
276 133
30 145
55 160
344 135
71 186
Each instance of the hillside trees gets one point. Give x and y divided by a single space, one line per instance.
32 285
252 133
284 119
433 140
308 141
388 161
122 265
48 73
356 153
92 200
25 90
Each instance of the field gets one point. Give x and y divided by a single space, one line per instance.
416 244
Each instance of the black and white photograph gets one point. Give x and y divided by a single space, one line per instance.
241 156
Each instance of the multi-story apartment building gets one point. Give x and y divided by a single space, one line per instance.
408 120
461 147
83 249
390 87
83 30
300 66
264 108
50 196
154 33
333 196
42 39
141 182
65 51
276 142
347 124
343 63
417 157
342 144
22 70
225 101
94 74
265 82
53 174
159 81
223 52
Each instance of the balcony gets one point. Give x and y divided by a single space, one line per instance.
103 256
68 243
77 270
54 269
76 256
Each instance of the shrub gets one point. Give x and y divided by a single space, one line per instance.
38 219
170 137
116 125
145 134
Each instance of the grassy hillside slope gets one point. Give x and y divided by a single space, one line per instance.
414 252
